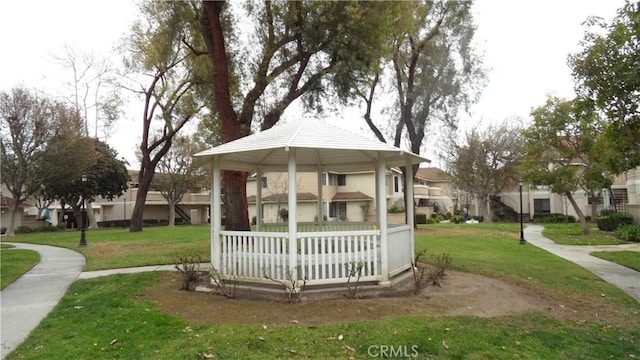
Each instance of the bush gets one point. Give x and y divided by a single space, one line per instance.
612 221
395 209
629 232
421 218
431 221
24 230
458 219
554 218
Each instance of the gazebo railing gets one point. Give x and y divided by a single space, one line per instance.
323 257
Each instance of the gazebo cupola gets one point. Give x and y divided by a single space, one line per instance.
318 256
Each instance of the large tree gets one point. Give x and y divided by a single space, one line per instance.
434 72
484 163
161 47
561 150
607 70
26 125
297 50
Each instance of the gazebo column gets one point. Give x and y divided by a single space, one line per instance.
411 218
320 204
381 210
259 201
216 215
293 225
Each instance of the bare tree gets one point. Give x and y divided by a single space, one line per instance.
485 161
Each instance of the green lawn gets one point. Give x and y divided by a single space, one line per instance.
15 262
102 319
571 234
105 318
630 259
118 248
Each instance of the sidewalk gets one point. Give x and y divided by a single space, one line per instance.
621 276
30 298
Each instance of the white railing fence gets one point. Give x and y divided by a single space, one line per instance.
322 257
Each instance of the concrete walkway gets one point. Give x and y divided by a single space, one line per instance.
621 276
29 299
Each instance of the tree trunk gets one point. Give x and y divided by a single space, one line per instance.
172 214
583 221
234 183
13 210
144 182
235 200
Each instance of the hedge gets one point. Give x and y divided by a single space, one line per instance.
629 232
612 221
554 218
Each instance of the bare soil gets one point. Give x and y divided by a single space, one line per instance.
459 294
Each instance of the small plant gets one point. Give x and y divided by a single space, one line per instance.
292 285
189 267
438 270
419 270
354 269
226 287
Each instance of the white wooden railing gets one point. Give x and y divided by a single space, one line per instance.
322 257
400 251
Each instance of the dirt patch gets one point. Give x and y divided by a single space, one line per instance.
460 294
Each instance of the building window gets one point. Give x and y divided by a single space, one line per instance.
542 206
342 179
264 182
338 210
397 184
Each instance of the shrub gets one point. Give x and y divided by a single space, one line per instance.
612 221
458 219
554 218
629 232
421 218
24 230
431 221
395 209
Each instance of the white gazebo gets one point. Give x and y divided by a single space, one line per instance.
319 256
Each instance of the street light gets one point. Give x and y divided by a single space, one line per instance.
522 240
83 238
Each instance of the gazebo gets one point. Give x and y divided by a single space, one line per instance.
322 255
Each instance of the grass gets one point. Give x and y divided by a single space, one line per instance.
630 259
105 318
15 262
493 250
119 248
571 234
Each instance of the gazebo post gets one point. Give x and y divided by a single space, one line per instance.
320 207
259 201
381 209
293 225
410 205
216 217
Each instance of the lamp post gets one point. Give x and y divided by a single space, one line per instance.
83 238
522 240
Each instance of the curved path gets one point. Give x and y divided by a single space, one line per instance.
621 276
30 298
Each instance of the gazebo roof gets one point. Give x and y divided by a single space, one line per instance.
318 145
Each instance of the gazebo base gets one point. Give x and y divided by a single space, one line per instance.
267 290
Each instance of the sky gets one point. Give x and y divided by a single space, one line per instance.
525 46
